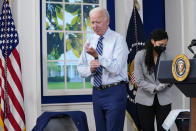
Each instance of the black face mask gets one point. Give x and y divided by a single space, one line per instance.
159 49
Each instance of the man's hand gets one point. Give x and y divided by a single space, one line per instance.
91 51
94 64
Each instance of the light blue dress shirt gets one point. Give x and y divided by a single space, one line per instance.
113 59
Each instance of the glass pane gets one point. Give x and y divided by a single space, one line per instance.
73 46
88 82
56 75
91 1
87 37
86 20
73 1
55 0
55 46
74 49
74 81
54 16
73 17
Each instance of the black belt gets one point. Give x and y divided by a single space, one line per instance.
102 87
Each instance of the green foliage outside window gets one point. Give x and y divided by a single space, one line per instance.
67 26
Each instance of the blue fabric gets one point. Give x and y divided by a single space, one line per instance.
109 108
78 117
153 15
111 9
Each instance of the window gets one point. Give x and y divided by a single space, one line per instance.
65 28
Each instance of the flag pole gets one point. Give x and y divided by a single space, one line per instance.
6 108
135 5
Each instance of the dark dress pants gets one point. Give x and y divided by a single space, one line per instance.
147 115
109 108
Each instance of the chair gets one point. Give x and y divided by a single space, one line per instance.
182 121
62 121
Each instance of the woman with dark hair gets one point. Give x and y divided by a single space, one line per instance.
153 99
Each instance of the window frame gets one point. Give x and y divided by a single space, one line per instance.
80 94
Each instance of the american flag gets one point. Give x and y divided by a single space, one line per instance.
135 41
12 98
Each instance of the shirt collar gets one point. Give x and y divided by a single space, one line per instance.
106 33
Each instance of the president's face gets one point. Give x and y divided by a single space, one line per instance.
99 23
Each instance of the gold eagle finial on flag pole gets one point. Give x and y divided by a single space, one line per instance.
136 3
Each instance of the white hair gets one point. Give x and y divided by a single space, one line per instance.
99 9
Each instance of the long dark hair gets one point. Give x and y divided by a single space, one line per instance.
156 35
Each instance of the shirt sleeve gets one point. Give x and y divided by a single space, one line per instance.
115 63
139 75
83 66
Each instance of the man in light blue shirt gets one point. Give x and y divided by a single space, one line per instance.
104 58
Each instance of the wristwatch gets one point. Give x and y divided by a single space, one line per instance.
96 58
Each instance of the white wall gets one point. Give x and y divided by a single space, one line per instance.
174 27
26 14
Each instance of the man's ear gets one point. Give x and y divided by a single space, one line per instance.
108 21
